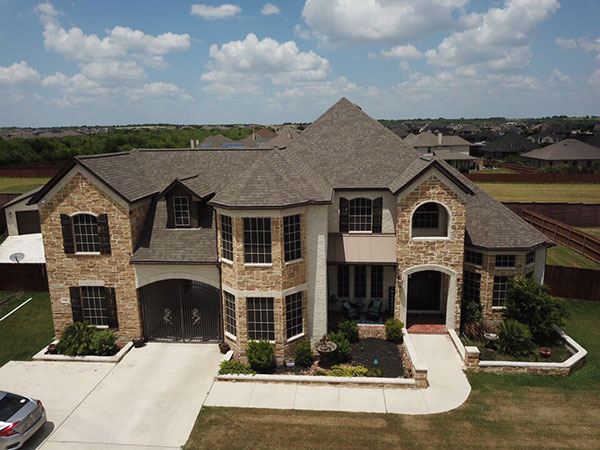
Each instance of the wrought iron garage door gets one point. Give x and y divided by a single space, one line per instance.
181 310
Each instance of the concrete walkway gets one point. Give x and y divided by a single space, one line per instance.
448 389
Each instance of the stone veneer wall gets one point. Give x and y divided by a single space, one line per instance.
488 270
114 270
448 253
276 280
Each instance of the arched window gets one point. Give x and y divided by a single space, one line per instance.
430 220
85 232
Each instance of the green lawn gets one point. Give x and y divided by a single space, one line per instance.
543 192
20 185
594 231
503 411
27 330
561 255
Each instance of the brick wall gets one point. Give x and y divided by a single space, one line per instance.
114 270
448 253
244 280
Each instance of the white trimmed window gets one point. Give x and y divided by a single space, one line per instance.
257 240
500 290
261 318
230 322
85 232
181 210
505 261
530 259
292 238
226 238
361 214
293 314
93 305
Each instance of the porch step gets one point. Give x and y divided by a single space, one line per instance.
427 328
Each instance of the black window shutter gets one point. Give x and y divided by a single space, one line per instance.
170 212
377 212
111 307
76 307
344 214
67 232
103 234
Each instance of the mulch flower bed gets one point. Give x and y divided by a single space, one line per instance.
364 353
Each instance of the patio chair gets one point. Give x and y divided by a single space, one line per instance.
350 310
374 311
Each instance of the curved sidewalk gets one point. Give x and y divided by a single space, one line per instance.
448 388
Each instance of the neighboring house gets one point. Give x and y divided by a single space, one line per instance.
428 142
400 129
194 245
467 130
22 218
547 137
509 144
460 161
569 151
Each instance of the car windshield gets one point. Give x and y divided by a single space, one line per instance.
9 405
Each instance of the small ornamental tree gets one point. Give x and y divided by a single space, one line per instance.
530 303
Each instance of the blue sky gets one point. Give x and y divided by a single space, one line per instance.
141 61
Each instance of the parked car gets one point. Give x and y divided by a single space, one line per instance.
20 418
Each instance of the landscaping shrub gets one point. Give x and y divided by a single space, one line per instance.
103 343
350 329
76 340
476 330
303 355
261 356
342 352
471 311
530 303
375 372
348 371
514 338
393 330
235 367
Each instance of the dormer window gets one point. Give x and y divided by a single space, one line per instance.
181 209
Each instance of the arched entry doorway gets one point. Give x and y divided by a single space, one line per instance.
181 310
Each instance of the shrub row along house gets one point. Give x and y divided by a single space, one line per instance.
247 244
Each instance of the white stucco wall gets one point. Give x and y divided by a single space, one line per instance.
149 273
11 216
316 265
388 216
540 264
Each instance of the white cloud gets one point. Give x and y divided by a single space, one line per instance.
594 79
559 77
113 70
584 43
18 73
77 86
224 11
402 52
245 63
158 90
365 22
301 32
269 8
498 40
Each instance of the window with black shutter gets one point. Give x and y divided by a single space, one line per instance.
67 233
377 214
344 214
103 234
94 304
76 304
85 233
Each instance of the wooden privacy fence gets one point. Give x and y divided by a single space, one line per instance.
23 277
516 167
573 282
579 241
6 197
574 214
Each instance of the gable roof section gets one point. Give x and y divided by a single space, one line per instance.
569 149
22 197
349 149
194 185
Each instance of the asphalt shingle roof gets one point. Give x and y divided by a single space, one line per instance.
569 149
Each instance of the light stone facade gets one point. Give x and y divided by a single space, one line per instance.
77 194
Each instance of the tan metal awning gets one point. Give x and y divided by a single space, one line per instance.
362 248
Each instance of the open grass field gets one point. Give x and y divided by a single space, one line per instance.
547 192
503 411
594 231
561 255
27 330
20 185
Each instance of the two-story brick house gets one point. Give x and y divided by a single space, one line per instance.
240 244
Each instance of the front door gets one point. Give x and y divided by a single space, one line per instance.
424 291
181 310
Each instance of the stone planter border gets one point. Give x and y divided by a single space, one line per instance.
470 356
43 356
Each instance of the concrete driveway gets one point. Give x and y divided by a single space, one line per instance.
149 400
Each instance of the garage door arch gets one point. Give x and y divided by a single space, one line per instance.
181 310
